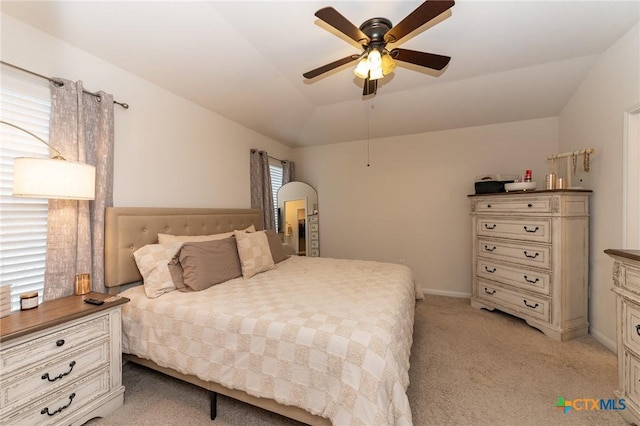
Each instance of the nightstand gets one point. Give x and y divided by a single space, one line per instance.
61 362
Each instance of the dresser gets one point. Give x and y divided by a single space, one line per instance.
530 258
61 362
626 280
314 235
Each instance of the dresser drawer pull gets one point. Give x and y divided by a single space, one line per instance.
531 281
530 306
530 256
531 230
490 227
529 205
488 206
487 248
489 292
46 409
638 329
61 375
491 271
59 342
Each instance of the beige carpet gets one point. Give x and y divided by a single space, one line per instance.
468 367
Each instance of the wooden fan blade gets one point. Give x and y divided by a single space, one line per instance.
427 60
370 87
321 70
342 24
423 14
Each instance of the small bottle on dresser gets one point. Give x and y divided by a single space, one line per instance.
527 175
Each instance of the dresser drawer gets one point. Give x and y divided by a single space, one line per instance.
632 379
513 204
631 278
537 281
55 407
532 306
631 331
521 253
32 352
538 230
313 219
56 373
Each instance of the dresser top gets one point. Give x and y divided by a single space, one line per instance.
628 254
52 313
543 191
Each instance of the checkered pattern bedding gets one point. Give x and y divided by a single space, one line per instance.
330 336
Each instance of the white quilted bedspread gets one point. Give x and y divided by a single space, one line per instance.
330 336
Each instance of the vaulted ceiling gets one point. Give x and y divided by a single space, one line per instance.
511 60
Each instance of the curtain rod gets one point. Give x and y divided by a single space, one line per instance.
273 158
53 80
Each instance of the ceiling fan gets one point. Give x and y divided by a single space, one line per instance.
374 34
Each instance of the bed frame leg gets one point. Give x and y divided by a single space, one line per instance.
214 404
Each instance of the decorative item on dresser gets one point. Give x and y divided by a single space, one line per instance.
530 258
61 362
626 279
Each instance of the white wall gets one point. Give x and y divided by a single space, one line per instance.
594 118
168 151
411 204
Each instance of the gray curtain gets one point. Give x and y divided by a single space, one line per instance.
288 171
261 193
81 128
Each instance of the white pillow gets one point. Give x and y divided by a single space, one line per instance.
152 261
254 252
167 238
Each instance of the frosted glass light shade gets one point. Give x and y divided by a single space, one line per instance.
362 70
388 64
53 178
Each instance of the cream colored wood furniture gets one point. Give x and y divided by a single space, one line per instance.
626 279
61 362
314 235
530 258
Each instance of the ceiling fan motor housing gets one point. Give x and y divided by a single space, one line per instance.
375 29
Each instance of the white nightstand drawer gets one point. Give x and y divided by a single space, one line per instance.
631 332
521 253
527 279
54 408
25 353
538 230
529 305
56 373
632 366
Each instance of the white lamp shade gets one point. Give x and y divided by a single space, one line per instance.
362 70
53 178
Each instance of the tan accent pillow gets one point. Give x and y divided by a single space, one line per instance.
168 238
200 265
254 252
277 249
152 261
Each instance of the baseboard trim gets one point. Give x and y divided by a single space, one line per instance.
608 343
446 293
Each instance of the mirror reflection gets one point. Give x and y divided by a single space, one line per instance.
298 218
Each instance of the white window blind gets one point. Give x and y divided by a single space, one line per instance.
275 168
25 102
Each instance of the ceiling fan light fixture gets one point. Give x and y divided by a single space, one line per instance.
376 74
388 64
362 69
374 58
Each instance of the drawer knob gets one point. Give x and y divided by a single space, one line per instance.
638 329
491 271
487 226
530 306
59 342
487 248
488 206
490 292
526 278
46 409
531 230
531 256
61 375
529 205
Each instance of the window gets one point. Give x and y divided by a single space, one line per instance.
631 183
23 221
275 168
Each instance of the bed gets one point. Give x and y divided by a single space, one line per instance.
318 340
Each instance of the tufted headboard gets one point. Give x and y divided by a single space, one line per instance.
129 228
